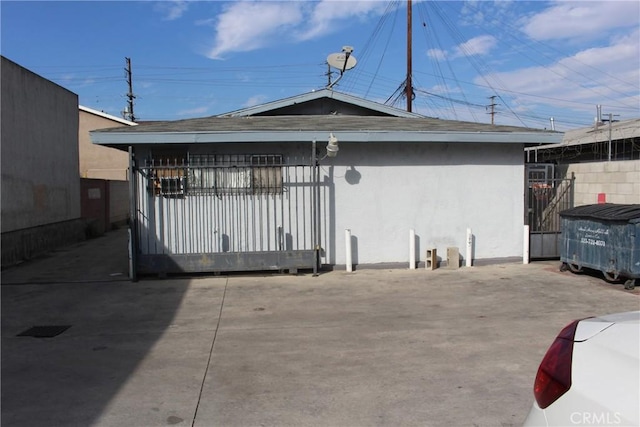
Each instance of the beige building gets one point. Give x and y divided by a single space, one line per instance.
103 172
99 162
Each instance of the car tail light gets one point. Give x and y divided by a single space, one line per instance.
554 374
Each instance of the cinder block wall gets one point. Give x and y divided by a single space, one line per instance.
618 180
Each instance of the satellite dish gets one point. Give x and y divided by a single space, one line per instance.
341 61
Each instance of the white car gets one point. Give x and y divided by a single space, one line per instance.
590 375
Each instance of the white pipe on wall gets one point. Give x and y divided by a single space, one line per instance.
347 240
525 246
412 249
469 253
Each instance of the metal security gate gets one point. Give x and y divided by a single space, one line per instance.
545 199
219 213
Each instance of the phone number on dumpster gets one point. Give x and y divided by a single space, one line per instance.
592 242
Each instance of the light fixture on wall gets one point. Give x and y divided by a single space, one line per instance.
332 146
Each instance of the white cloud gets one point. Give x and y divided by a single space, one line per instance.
480 45
600 75
328 16
172 9
581 19
249 25
437 54
255 100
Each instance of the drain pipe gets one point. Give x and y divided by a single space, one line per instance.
347 240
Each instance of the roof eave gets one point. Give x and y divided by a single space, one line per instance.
106 116
153 138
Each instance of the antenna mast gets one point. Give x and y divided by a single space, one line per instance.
128 112
408 84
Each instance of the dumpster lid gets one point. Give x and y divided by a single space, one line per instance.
605 211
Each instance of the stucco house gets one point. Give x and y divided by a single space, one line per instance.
275 186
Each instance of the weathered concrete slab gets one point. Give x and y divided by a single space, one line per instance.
374 347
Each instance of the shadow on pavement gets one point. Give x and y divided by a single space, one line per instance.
73 378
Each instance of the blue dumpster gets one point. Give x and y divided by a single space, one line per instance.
604 237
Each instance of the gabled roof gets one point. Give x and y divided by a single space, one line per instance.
271 108
309 117
106 116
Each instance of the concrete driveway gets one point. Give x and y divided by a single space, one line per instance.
369 348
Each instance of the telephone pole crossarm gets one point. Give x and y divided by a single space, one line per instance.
492 106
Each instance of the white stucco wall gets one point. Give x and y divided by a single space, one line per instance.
379 191
439 190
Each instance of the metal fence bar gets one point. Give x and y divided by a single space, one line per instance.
180 212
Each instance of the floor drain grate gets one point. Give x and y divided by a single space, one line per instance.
48 331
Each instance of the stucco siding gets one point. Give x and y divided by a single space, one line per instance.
379 191
40 180
439 190
100 162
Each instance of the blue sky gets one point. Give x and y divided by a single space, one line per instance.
200 58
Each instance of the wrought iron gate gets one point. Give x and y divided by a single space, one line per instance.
214 213
545 199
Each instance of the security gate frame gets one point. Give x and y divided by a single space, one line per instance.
224 213
545 199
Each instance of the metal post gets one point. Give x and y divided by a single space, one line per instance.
133 219
314 210
348 258
610 120
412 249
469 250
525 245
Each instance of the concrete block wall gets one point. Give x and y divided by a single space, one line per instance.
619 181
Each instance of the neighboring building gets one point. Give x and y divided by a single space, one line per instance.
247 191
104 172
98 162
40 178
604 158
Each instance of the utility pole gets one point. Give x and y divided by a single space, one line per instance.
610 120
128 111
493 108
408 83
